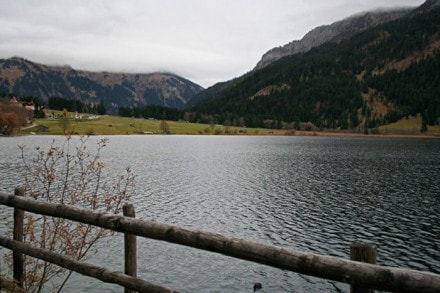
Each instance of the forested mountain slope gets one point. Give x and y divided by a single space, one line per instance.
372 78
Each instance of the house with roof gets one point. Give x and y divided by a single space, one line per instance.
28 106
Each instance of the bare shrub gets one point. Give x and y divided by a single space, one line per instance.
71 175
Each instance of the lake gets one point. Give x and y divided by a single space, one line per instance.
314 194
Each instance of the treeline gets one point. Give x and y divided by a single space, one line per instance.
152 111
58 103
328 102
159 112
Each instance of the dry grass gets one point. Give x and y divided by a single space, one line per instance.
409 125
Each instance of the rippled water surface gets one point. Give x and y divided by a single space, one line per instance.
308 193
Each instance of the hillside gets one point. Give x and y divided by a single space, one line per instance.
373 78
26 78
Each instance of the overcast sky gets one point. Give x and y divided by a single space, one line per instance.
206 41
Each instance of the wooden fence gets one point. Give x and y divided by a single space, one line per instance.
357 274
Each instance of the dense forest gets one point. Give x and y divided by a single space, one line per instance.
152 111
59 103
340 85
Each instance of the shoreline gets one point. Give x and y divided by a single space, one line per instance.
354 134
116 125
269 133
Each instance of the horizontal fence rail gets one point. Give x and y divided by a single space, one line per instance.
99 273
327 267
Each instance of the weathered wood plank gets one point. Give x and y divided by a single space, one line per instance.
130 247
364 252
327 267
100 273
18 258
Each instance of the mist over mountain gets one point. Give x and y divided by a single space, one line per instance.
332 33
26 78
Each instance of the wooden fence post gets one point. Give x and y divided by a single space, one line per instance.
364 252
18 258
130 247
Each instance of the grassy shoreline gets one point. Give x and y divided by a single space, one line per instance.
115 125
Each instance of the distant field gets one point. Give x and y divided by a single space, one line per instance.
410 125
112 125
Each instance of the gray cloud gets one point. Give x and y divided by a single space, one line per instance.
205 41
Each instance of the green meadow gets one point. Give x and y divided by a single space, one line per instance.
86 124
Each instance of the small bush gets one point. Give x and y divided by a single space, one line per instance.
68 174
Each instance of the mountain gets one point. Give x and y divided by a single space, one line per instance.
427 6
374 77
335 32
25 78
211 92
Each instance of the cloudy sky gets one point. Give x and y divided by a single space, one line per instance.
206 41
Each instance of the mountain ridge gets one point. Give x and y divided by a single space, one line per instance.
27 78
336 31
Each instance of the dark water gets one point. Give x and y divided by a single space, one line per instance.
313 194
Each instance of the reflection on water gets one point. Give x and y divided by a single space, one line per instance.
309 193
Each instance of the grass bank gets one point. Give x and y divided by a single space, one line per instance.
113 125
409 125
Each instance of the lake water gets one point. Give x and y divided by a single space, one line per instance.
313 194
